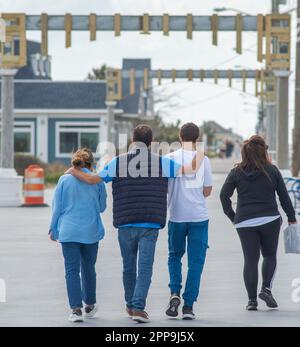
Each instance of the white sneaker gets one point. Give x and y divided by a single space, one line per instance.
76 316
90 314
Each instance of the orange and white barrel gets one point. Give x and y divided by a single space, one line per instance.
34 185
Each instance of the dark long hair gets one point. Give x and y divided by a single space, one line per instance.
255 155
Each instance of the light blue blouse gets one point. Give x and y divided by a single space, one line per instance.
76 211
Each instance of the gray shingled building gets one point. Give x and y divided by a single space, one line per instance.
52 118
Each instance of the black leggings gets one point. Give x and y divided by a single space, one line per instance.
262 238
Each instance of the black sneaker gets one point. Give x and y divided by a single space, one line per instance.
187 313
174 304
267 297
252 305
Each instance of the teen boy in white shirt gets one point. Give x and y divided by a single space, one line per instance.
188 225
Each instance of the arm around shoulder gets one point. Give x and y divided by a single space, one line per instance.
85 177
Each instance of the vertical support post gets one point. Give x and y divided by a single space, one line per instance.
214 28
145 24
257 74
111 121
260 36
216 76
230 75
202 75
173 75
282 127
271 125
146 79
93 26
159 76
117 24
10 184
44 30
239 29
296 132
268 39
132 81
190 75
244 73
262 83
166 24
189 26
68 29
7 138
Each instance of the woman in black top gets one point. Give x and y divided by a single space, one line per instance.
257 218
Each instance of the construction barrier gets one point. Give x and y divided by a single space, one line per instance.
34 186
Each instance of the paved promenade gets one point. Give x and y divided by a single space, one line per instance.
32 267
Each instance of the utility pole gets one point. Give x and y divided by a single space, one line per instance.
282 119
282 105
296 133
269 108
7 140
10 183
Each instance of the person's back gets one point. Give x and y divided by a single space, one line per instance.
139 194
77 225
257 218
186 200
76 220
188 225
256 193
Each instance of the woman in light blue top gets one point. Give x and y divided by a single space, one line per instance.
77 225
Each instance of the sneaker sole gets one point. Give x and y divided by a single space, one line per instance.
188 317
270 303
140 320
76 320
174 303
251 308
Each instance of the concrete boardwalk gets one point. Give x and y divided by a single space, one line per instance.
32 267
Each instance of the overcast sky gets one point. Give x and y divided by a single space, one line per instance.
198 102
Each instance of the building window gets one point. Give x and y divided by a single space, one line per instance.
71 136
23 137
89 140
68 142
22 142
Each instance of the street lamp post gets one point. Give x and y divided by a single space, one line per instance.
10 183
7 98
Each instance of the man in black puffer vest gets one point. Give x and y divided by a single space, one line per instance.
140 185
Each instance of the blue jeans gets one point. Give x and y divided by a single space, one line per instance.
137 248
195 235
80 259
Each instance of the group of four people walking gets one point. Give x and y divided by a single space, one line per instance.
144 186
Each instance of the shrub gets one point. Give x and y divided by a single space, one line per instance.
54 171
23 161
52 178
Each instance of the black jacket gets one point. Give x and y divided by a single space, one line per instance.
256 195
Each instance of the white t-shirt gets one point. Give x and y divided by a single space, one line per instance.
255 222
186 201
